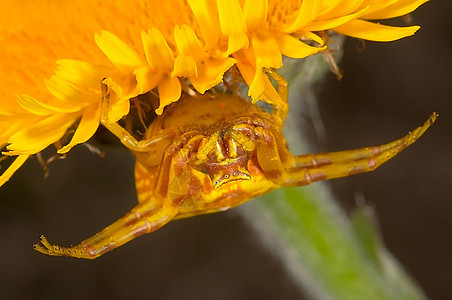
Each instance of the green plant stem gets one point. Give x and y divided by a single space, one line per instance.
330 256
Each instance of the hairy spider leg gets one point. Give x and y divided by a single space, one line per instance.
172 187
280 166
323 166
84 249
153 201
147 145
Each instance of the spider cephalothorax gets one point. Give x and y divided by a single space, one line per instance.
209 154
226 160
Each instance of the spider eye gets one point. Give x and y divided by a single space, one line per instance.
226 176
235 174
217 182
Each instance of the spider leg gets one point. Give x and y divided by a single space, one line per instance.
315 167
172 188
148 145
140 220
272 156
280 105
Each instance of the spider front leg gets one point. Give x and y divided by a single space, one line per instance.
314 167
171 189
137 221
280 104
148 145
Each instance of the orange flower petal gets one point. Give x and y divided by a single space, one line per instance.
375 32
188 44
255 13
231 17
237 42
9 125
86 129
147 79
211 73
169 92
68 93
331 23
293 47
158 53
18 162
185 66
266 51
38 136
35 107
118 52
206 15
332 9
399 8
307 13
82 73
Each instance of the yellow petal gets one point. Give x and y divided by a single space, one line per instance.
237 42
123 88
375 32
9 125
263 88
119 109
246 63
307 35
169 92
231 17
158 54
257 86
118 52
206 15
308 12
255 13
86 129
185 66
188 44
333 8
331 23
147 79
252 74
400 8
40 135
266 51
82 73
211 73
18 162
68 92
35 107
293 47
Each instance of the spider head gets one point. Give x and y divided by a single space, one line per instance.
222 168
227 174
228 170
223 159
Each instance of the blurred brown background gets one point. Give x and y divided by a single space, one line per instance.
388 89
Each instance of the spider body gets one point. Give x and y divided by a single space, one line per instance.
215 154
205 155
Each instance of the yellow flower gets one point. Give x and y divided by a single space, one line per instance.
55 55
377 10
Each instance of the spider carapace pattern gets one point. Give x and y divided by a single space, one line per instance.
208 154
